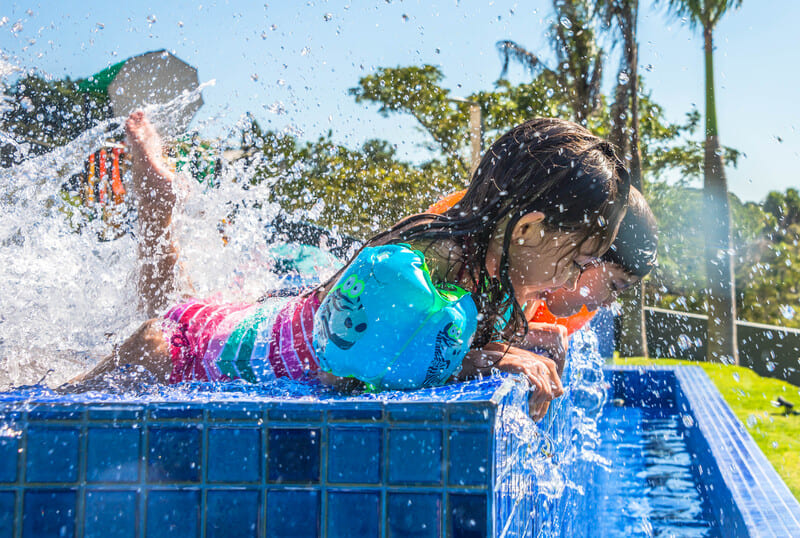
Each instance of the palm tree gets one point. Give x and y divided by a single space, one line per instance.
579 61
624 14
722 342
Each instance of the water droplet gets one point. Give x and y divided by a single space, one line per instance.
151 19
684 342
273 27
648 67
549 92
405 17
623 77
180 24
774 444
304 51
687 420
584 291
770 366
565 22
120 90
264 34
100 25
752 420
254 76
736 376
327 17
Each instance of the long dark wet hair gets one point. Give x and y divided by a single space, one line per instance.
557 167
635 248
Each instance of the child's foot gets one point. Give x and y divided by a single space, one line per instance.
152 179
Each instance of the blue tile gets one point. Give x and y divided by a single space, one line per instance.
294 412
414 514
232 513
52 454
415 456
294 454
49 513
372 411
183 411
473 412
111 514
173 455
354 514
116 412
467 517
234 455
415 411
235 411
173 513
113 455
293 513
55 412
470 458
8 458
355 455
7 511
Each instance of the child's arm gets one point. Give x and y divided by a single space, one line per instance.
540 371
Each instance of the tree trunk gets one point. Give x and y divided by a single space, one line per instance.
633 337
720 289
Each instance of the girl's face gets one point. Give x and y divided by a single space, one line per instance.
599 285
540 259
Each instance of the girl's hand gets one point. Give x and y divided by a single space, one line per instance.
541 372
551 338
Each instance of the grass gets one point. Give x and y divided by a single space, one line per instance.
749 396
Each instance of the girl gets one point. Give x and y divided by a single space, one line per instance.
418 299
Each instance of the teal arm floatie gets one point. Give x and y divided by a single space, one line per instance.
386 323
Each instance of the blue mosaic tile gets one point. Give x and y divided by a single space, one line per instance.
293 513
352 513
116 412
113 454
414 514
294 454
173 513
473 413
7 499
173 454
355 455
234 455
235 411
111 514
232 513
49 513
415 411
55 412
52 454
292 412
8 458
467 517
415 456
185 411
469 462
356 411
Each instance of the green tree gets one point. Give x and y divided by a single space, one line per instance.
722 340
579 60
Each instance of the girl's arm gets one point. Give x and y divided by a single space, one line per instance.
540 371
549 339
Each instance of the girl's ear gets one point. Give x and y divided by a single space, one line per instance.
528 228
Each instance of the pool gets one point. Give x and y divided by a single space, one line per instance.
451 461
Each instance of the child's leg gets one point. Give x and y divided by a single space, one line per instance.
147 347
155 198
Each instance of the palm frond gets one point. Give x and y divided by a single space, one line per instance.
512 51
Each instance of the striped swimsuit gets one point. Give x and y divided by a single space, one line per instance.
256 343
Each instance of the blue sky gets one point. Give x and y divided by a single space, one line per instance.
290 63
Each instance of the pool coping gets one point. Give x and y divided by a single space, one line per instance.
756 501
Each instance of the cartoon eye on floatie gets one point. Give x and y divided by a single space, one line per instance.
360 328
352 287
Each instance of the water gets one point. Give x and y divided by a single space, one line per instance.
649 488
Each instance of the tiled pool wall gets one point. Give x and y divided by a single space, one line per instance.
449 462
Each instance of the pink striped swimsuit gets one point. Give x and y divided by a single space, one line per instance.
256 343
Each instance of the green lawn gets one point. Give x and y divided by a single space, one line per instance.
750 397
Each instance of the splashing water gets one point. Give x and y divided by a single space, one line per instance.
69 297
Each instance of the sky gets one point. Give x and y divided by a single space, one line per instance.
290 63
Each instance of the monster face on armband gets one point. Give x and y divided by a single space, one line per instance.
342 318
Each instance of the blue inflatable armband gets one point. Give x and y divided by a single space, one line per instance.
387 324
